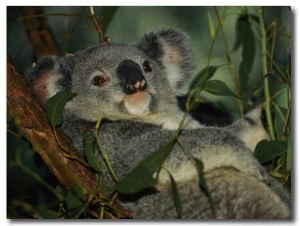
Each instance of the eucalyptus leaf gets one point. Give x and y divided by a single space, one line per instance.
245 38
55 106
137 180
276 174
141 176
204 75
211 26
74 201
89 152
60 191
175 195
202 182
200 167
279 121
107 13
218 87
240 30
268 150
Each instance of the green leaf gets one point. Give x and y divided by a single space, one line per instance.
200 167
60 191
202 182
175 195
55 106
268 150
141 176
245 38
74 201
201 78
276 174
42 214
108 13
279 120
137 180
89 152
241 31
218 87
211 26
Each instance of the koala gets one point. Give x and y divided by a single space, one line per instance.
134 93
135 87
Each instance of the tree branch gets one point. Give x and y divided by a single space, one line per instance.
39 33
32 120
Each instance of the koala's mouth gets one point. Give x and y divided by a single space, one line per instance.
138 103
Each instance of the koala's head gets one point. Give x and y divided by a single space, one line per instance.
121 81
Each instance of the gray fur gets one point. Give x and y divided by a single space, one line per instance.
141 111
250 128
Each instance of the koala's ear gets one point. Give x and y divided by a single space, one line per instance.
49 76
171 49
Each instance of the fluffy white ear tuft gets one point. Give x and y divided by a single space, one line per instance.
45 86
49 76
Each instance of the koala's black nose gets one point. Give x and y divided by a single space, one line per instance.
131 77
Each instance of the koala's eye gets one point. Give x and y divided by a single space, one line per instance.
100 80
146 66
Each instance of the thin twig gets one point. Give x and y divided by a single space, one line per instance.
286 122
102 151
36 176
265 72
274 26
98 25
230 63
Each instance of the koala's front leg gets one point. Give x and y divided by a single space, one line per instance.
215 148
173 122
230 151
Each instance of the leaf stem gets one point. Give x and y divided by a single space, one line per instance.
103 153
230 63
98 25
36 176
113 199
191 102
286 121
265 72
67 154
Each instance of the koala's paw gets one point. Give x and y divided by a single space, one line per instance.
238 158
173 123
253 168
192 124
258 171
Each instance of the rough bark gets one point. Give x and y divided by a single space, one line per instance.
32 120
